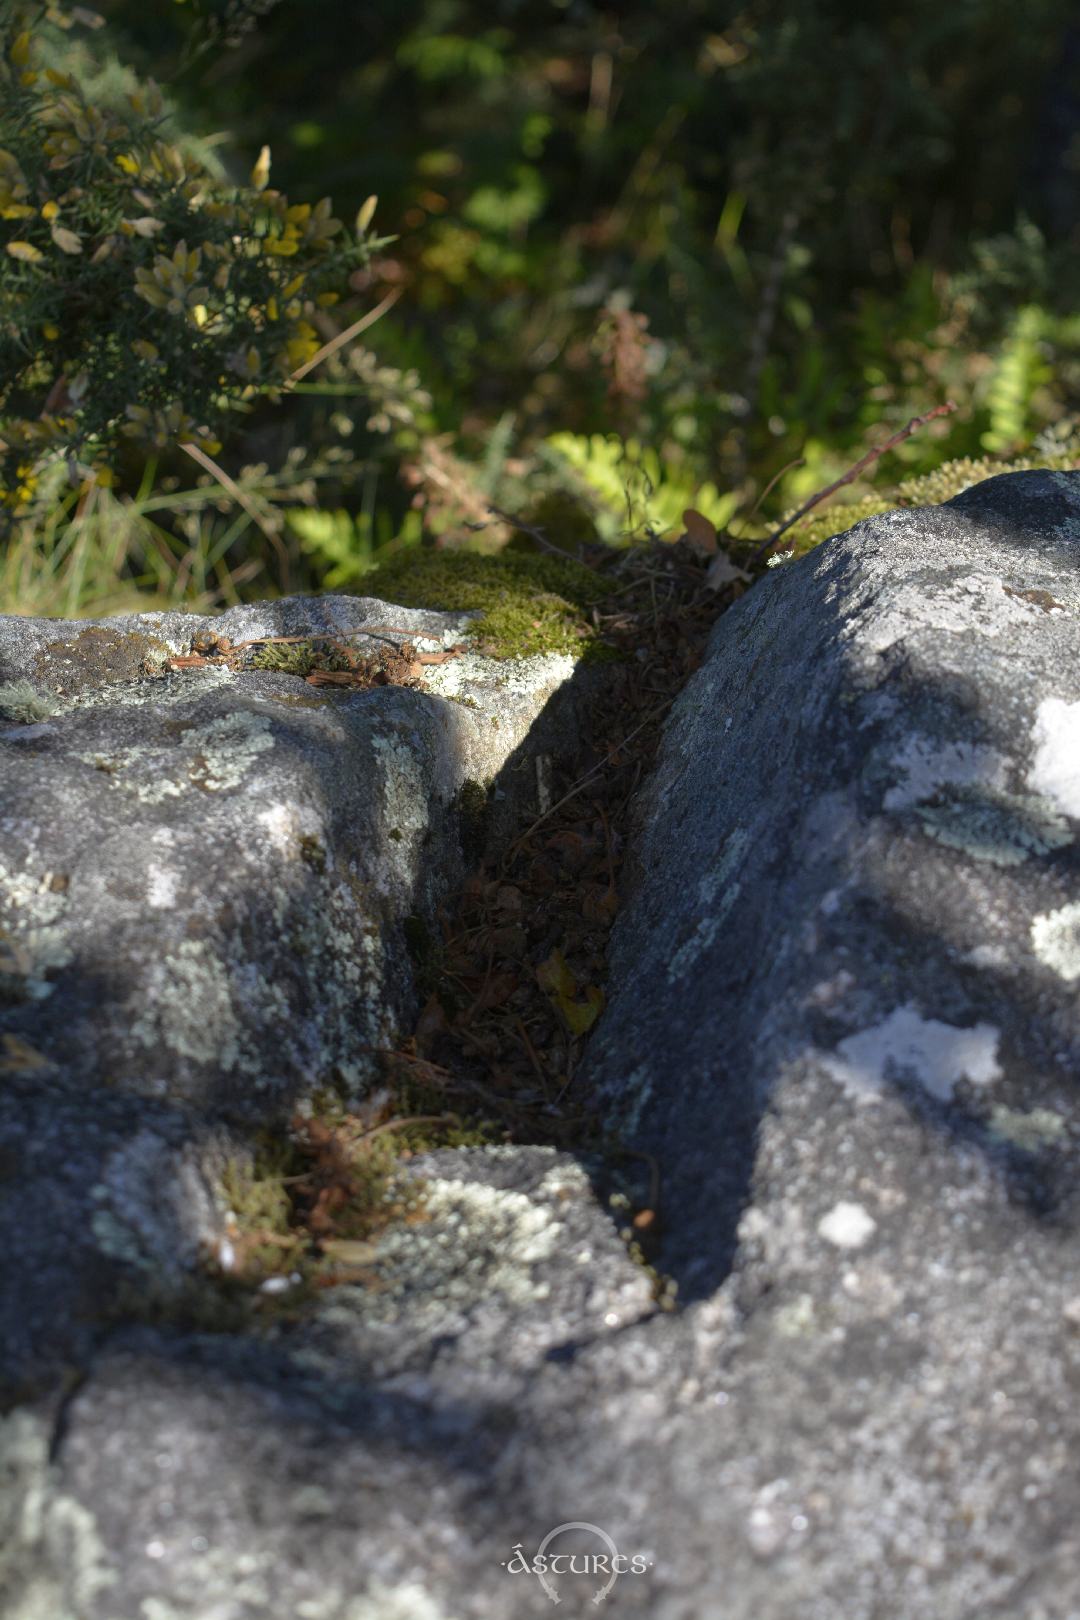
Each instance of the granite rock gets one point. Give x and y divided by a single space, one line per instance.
843 1014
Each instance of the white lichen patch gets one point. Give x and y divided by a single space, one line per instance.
977 602
154 1206
958 792
719 881
149 694
285 825
924 767
906 1046
632 1098
1055 939
478 676
847 1226
163 884
1055 768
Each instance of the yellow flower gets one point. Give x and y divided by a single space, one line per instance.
145 350
170 285
260 174
50 210
365 214
20 48
127 163
303 344
67 241
13 186
26 251
50 331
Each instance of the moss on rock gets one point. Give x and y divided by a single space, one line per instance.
928 489
528 604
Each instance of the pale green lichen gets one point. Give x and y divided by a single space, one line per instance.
405 808
23 702
191 1009
214 756
1032 1130
528 604
33 934
1000 828
478 1241
53 1562
721 880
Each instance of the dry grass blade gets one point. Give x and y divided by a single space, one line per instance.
347 336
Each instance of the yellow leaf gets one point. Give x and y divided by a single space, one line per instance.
19 1055
554 976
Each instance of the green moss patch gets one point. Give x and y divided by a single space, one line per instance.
929 489
528 604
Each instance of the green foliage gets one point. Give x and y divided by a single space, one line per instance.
347 548
634 490
646 259
140 298
1020 369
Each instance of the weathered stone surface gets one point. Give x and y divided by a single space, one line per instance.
843 1013
204 882
204 875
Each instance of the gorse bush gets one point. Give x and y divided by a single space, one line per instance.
645 258
144 303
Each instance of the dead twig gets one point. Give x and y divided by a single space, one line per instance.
536 534
853 473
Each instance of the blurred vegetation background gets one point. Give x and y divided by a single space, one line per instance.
643 258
